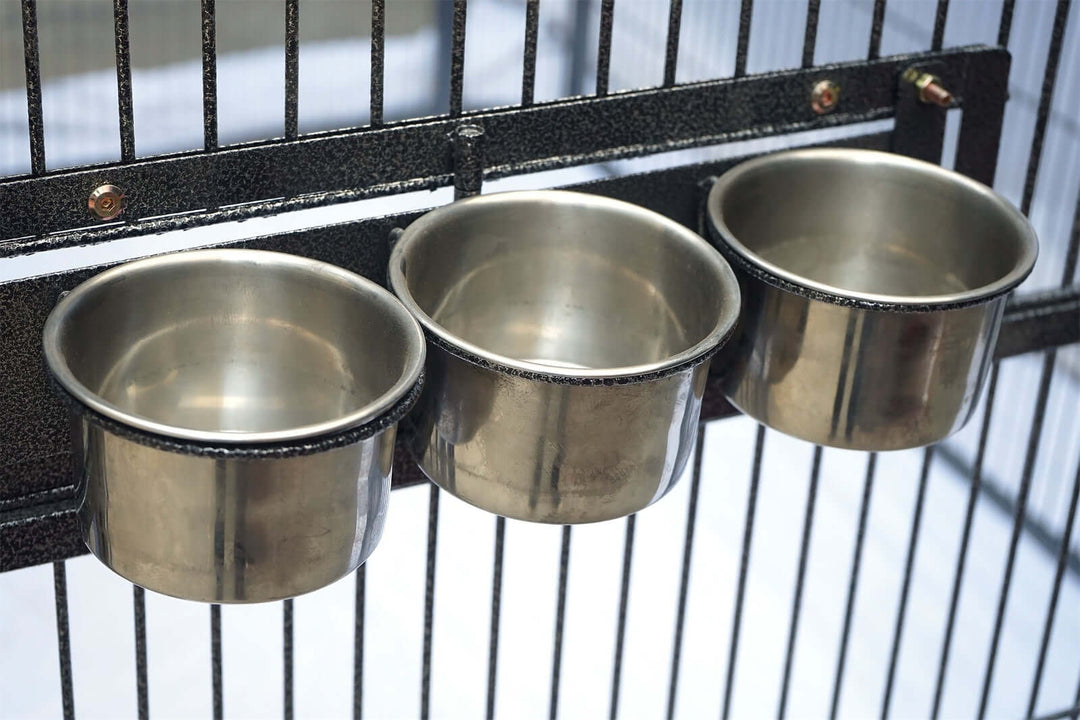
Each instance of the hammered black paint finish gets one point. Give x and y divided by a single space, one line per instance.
19 474
209 75
469 147
982 96
557 134
920 127
1040 321
197 181
38 535
36 507
37 521
34 425
125 106
32 66
457 56
292 68
147 228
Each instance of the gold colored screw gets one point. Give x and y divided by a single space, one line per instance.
106 202
825 97
929 88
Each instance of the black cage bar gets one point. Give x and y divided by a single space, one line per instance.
47 210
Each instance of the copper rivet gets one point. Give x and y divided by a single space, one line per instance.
106 202
928 88
825 97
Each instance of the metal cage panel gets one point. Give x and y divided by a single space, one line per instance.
697 98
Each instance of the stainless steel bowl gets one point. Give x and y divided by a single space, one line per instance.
569 338
234 418
873 289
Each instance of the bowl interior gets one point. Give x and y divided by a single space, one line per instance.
873 223
565 281
236 342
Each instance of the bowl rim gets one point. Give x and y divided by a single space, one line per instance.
415 347
730 302
795 282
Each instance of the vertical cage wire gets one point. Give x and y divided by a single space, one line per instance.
905 585
560 621
123 80
744 567
292 68
800 578
457 57
378 50
209 75
941 16
684 576
141 679
1018 524
32 66
1005 26
1072 255
63 639
1046 97
853 582
620 630
813 13
603 50
671 51
1057 36
742 45
358 643
528 65
876 26
965 540
287 657
215 662
429 601
496 613
1051 611
528 82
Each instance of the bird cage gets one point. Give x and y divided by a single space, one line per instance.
779 576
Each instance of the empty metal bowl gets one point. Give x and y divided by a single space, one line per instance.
234 418
873 290
569 339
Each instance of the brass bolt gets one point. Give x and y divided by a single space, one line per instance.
929 88
106 202
825 97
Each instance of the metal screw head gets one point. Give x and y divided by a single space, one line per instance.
928 88
932 92
825 97
106 202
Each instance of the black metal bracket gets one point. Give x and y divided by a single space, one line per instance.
1040 321
269 177
469 149
37 520
47 530
920 125
36 499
